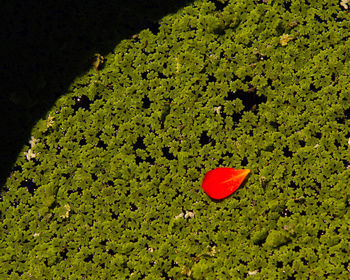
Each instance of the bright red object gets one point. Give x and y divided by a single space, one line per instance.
223 181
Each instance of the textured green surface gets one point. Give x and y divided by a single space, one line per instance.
114 188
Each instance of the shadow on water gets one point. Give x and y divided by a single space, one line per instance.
46 44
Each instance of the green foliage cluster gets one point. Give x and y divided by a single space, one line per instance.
109 187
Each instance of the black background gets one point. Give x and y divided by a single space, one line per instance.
46 45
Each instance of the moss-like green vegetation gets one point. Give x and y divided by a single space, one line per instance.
109 185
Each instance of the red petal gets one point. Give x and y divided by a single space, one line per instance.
223 181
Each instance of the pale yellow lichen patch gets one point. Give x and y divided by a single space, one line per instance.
218 110
285 38
344 4
30 154
178 65
179 216
33 141
189 214
67 210
211 251
250 273
50 122
186 271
